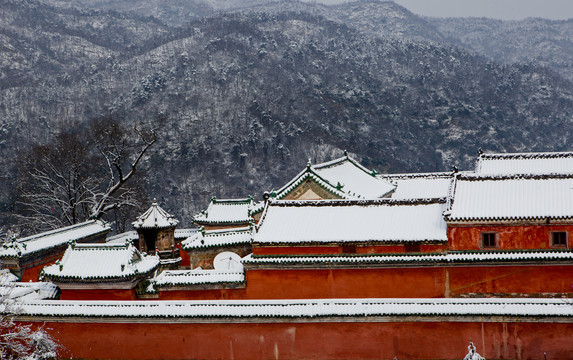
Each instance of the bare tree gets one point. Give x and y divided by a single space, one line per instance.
81 174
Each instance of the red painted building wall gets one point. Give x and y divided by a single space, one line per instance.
433 339
519 236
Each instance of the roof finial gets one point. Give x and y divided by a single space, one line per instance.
308 164
154 203
345 153
480 152
455 169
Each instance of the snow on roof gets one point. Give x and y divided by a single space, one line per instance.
527 309
11 288
420 186
415 259
53 238
198 276
355 179
226 211
526 163
155 218
218 238
335 221
511 197
100 262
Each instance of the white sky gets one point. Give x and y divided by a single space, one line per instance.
499 9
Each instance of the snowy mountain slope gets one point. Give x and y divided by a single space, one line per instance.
245 98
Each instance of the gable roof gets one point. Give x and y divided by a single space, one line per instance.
54 238
356 180
226 211
344 178
351 221
155 218
525 163
531 197
89 263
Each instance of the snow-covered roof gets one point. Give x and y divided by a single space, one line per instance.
525 163
527 309
420 259
336 221
198 277
11 288
100 263
532 197
420 186
355 179
54 238
155 218
226 211
218 238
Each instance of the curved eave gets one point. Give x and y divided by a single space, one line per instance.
99 279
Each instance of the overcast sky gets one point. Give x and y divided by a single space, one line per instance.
499 9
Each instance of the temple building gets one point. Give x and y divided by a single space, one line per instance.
339 263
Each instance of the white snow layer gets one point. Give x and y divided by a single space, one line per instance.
512 198
101 261
526 163
421 187
356 179
155 218
164 310
218 238
314 221
53 238
226 211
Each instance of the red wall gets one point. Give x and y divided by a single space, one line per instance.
406 282
314 340
510 237
98 294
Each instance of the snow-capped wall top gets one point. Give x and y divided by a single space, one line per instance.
216 238
525 163
339 221
428 259
227 211
99 263
488 198
173 311
155 218
50 239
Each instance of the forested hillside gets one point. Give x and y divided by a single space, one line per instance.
243 99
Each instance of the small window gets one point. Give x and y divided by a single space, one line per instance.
412 247
489 240
559 239
349 249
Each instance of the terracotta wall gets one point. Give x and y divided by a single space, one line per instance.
314 340
510 237
406 282
98 294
